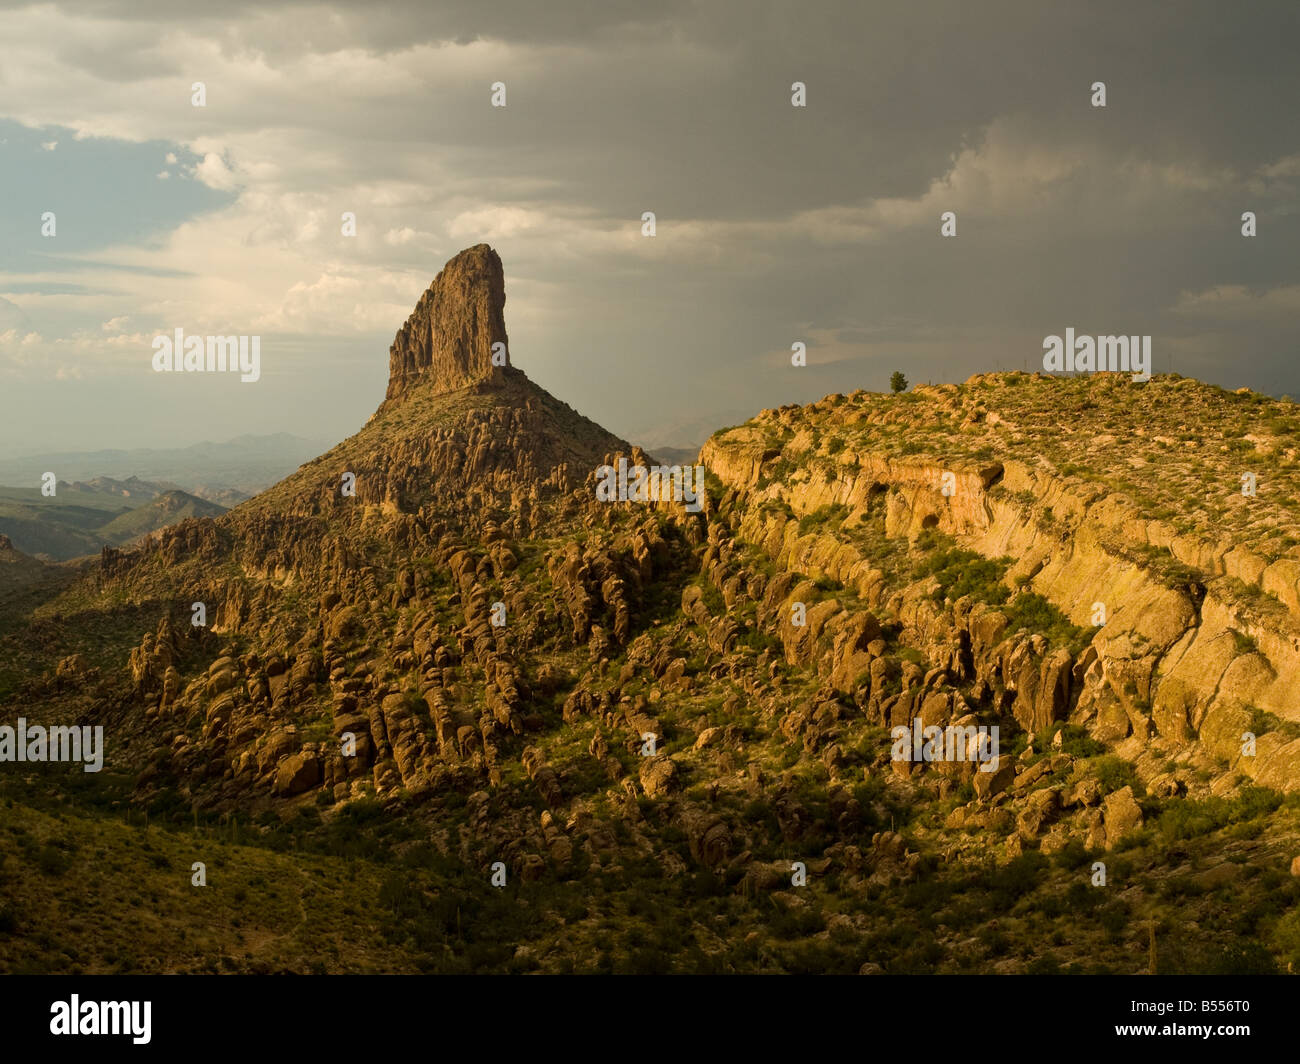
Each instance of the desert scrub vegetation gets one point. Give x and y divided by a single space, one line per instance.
711 595
1075 741
962 572
1031 611
1186 818
1243 643
828 517
1114 773
1263 722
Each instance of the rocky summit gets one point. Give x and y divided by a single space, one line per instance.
430 704
448 338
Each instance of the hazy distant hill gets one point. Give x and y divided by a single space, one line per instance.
80 519
226 472
130 488
677 455
166 509
17 570
138 490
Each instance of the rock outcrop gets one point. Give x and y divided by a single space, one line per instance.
448 338
470 637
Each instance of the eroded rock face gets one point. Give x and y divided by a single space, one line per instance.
1122 815
296 774
449 336
357 648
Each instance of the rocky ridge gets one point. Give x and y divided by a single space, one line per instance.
1198 639
476 642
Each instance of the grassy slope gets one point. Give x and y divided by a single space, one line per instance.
1175 447
83 890
576 439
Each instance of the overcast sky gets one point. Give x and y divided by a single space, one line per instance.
775 224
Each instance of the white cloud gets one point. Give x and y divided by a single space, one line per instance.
493 223
346 301
16 336
213 172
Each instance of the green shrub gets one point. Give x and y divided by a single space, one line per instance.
1188 818
52 861
1286 937
963 572
712 597
1076 742
1047 964
1114 773
1244 643
833 514
1035 613
1262 721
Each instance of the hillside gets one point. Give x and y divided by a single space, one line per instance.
82 518
169 508
1199 584
672 730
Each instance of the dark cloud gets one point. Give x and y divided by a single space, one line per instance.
777 223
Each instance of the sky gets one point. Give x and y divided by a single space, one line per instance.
774 224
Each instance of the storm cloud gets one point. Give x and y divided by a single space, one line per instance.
775 223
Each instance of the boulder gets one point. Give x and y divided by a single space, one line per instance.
1122 815
298 773
658 776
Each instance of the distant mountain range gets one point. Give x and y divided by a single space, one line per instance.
113 497
677 455
82 518
227 472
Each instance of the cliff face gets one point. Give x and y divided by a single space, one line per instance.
448 338
440 614
1194 628
944 576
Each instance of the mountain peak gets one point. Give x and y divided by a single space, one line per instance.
449 336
